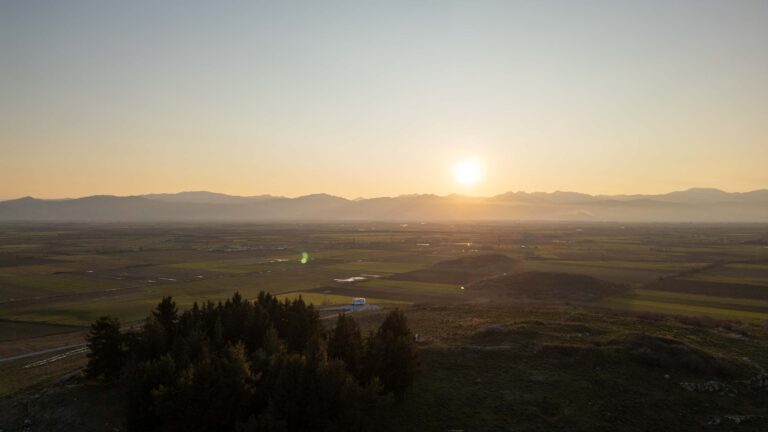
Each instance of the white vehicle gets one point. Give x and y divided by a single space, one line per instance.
358 301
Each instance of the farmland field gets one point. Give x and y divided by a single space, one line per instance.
68 274
56 279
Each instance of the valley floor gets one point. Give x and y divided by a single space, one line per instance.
521 326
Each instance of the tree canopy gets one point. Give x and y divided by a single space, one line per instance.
262 365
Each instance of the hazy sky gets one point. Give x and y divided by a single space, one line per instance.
369 98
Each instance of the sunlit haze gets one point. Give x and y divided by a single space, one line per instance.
382 98
467 172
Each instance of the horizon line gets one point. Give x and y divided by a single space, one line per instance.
268 195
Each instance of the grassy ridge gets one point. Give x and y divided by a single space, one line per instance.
495 368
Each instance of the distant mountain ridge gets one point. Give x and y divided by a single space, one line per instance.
692 205
204 197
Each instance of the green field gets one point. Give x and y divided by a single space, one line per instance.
319 299
631 274
405 287
642 304
241 265
761 281
19 287
16 330
377 267
72 275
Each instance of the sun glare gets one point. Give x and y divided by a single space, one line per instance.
467 172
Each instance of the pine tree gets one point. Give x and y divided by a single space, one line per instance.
346 343
107 355
302 323
392 355
167 315
153 340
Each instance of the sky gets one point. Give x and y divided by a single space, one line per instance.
363 99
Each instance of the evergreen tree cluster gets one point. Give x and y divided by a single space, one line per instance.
264 365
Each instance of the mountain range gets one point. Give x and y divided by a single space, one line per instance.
692 205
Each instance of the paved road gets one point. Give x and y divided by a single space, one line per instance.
349 308
37 353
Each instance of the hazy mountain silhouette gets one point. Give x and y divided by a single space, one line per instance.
203 197
693 205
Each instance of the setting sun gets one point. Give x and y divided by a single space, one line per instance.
467 172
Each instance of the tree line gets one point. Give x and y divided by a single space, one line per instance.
262 365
